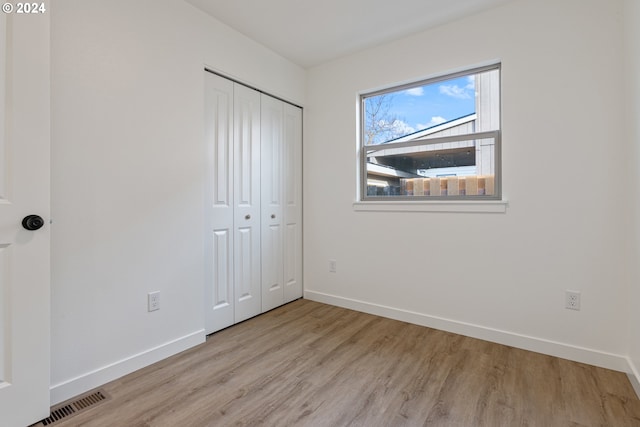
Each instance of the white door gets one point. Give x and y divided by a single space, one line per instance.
232 116
219 199
293 202
272 203
24 190
247 289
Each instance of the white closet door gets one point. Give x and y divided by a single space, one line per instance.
254 199
272 202
247 203
219 247
293 202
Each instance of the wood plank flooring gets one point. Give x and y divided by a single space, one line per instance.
311 364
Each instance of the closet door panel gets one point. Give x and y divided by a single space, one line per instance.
272 272
272 202
222 272
293 202
244 289
292 263
219 248
247 202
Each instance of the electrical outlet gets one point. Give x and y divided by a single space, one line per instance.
153 301
572 300
332 265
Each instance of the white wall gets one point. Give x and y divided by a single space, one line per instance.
495 276
127 177
632 77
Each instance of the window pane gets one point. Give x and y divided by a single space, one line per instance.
454 168
455 111
408 112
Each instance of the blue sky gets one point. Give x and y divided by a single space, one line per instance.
425 106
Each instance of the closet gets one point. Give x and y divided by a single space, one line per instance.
253 213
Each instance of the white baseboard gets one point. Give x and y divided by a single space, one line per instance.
73 387
565 351
634 377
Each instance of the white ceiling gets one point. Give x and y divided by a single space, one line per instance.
309 32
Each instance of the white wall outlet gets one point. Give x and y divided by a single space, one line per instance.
572 300
332 265
153 301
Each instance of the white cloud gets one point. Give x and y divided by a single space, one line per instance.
401 128
471 82
433 122
455 91
416 91
392 130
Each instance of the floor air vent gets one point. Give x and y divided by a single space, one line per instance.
67 409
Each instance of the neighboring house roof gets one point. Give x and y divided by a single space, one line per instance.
403 162
436 128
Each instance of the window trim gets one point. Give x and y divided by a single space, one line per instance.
363 150
438 78
445 206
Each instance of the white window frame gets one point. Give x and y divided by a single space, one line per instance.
439 203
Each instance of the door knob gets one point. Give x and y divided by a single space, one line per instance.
273 216
247 217
32 222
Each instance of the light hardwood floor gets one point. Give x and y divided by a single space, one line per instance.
311 364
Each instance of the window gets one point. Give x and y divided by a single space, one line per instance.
437 139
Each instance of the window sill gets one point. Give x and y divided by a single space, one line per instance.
475 206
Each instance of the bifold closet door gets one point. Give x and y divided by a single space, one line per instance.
232 132
292 185
281 159
219 197
272 202
247 289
